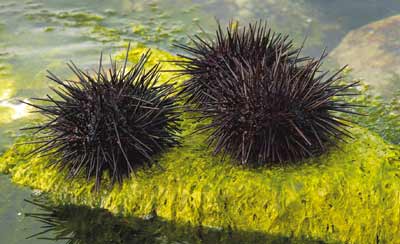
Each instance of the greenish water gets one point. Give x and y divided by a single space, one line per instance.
45 34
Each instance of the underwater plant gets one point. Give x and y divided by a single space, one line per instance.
266 103
112 121
208 59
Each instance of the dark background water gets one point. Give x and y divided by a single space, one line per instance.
45 34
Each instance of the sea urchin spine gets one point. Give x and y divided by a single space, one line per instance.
113 121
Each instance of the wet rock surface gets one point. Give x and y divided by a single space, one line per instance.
373 52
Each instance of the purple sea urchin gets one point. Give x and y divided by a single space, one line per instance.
113 121
263 114
207 59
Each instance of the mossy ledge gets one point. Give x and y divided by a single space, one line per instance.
349 195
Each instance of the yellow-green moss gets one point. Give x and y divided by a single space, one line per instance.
157 56
349 195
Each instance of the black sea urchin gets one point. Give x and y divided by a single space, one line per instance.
285 112
208 58
112 121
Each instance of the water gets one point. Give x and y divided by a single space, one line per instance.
45 34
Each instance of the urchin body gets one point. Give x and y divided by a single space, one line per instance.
266 102
274 114
113 121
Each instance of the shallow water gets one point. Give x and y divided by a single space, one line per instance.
45 34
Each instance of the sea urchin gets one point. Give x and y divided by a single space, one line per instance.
285 112
113 121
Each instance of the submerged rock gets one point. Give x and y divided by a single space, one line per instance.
349 194
373 51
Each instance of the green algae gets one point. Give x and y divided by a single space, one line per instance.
150 23
105 34
157 56
91 23
67 18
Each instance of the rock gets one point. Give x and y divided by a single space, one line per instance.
373 52
349 194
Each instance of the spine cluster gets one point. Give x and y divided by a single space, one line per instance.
266 102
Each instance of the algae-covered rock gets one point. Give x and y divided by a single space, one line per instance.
350 194
373 51
156 56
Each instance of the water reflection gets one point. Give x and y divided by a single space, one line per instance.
82 225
